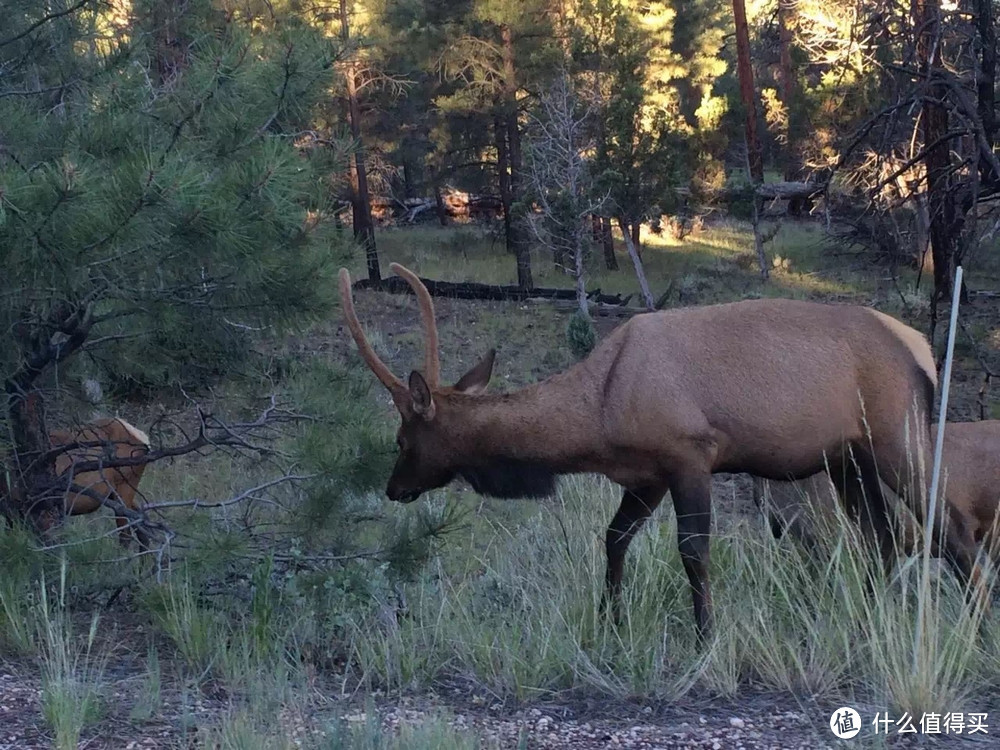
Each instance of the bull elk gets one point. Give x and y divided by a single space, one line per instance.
103 440
770 387
971 481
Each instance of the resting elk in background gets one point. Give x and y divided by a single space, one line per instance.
770 387
103 440
970 478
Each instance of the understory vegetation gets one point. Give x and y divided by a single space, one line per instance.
284 613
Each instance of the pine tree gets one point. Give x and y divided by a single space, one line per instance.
162 193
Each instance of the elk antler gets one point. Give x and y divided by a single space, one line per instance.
377 366
432 363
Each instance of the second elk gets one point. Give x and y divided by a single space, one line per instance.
970 482
101 461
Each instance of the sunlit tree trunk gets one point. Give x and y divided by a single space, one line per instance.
364 227
755 162
789 98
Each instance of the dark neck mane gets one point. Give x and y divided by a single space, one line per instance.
511 478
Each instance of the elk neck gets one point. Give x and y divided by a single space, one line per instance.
554 424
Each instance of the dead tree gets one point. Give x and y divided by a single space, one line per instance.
559 181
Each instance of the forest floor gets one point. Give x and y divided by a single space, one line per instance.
334 707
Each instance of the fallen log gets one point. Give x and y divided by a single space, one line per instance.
790 190
477 291
596 310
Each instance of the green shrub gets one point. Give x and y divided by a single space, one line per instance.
580 335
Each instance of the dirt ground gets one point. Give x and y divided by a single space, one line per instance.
754 721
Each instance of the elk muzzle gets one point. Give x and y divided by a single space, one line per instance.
398 494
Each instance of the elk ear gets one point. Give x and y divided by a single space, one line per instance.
475 380
420 393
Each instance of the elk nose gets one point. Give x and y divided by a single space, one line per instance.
402 497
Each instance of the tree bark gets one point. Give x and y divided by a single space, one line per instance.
20 497
635 228
581 289
747 95
519 239
789 98
364 227
755 161
503 177
170 48
640 274
986 80
944 222
788 81
608 240
442 212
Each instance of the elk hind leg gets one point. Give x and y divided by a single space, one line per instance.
865 501
636 506
774 520
692 496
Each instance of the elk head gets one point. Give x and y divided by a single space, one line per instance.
431 453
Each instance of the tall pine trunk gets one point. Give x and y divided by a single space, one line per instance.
944 221
169 45
608 241
361 208
755 161
439 207
789 98
519 240
986 81
636 228
503 177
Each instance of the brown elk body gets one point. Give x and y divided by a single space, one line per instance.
103 440
768 387
970 468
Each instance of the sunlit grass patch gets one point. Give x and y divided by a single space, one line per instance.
714 264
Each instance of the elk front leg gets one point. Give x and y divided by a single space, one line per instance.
692 494
637 505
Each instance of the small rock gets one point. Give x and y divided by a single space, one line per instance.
737 722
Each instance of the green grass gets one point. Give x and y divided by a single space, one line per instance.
73 682
507 601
